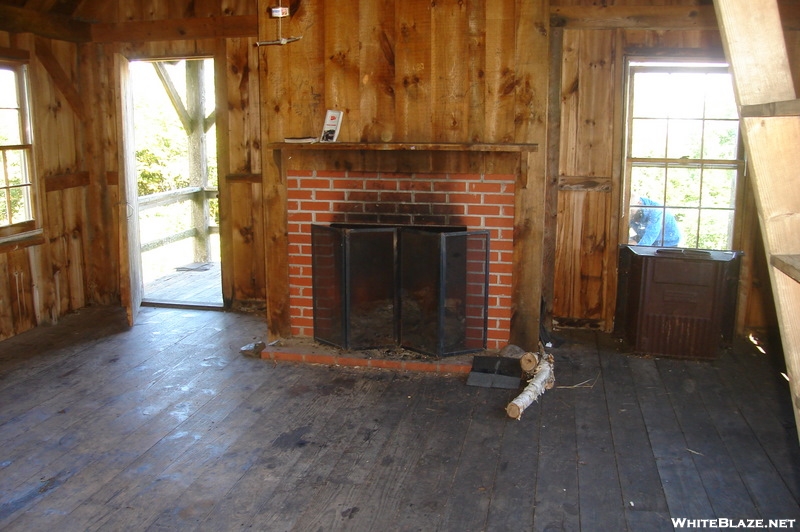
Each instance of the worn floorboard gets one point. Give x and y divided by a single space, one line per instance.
167 426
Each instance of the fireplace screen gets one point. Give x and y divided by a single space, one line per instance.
353 278
444 278
424 288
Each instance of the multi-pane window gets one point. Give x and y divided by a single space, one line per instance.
682 155
16 188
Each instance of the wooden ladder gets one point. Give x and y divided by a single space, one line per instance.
770 121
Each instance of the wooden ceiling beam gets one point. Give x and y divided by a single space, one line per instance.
634 17
59 76
651 17
20 20
176 29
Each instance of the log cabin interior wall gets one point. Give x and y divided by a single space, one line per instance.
412 71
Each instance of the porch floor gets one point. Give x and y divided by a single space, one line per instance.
193 285
166 425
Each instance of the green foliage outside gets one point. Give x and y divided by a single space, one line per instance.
162 159
15 184
687 123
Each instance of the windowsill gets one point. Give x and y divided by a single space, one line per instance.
21 240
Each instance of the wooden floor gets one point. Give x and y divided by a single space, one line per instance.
167 426
192 285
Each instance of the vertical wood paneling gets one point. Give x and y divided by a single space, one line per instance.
237 7
476 61
6 315
449 70
247 242
240 91
585 245
305 62
342 74
275 99
70 127
580 283
500 73
44 303
59 256
568 244
21 293
413 101
100 228
241 212
74 215
450 80
377 66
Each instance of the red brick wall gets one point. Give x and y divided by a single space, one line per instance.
473 200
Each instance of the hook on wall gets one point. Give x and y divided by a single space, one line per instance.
279 12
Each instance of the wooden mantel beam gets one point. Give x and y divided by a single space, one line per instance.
19 20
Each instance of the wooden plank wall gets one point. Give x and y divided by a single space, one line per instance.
42 281
449 71
238 122
77 161
410 72
589 176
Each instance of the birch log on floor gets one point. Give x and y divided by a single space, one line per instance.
529 361
543 379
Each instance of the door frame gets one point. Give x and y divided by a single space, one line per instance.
131 279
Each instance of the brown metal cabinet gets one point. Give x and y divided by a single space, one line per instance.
677 302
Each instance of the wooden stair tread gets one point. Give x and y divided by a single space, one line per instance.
788 264
783 108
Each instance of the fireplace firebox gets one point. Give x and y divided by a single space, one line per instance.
424 288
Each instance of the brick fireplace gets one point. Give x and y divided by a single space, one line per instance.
477 201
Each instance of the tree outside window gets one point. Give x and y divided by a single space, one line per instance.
683 155
16 203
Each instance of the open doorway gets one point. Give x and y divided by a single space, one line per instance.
176 172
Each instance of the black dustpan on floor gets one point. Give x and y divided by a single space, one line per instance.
495 372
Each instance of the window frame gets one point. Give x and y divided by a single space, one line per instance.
31 227
634 64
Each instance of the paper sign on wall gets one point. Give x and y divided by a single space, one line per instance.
330 130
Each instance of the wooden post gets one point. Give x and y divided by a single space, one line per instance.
532 57
198 158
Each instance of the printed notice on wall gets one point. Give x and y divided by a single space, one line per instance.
330 130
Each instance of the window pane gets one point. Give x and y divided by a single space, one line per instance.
16 166
687 224
649 138
650 90
8 88
684 138
682 135
20 204
685 100
720 100
719 188
648 181
717 229
721 139
3 208
683 186
9 127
